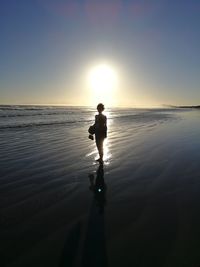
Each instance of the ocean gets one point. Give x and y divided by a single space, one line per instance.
34 136
15 116
151 175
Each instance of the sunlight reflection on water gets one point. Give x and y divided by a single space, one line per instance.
107 153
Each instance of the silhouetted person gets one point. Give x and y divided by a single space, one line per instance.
100 131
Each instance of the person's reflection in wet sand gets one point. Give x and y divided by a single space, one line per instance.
98 187
94 253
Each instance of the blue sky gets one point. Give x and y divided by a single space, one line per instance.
47 47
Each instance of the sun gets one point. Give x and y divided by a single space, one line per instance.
103 83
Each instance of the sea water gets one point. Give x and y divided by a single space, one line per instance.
40 139
15 116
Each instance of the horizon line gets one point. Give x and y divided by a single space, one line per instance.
91 106
73 105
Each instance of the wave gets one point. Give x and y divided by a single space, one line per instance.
7 107
137 118
38 124
145 116
37 114
38 107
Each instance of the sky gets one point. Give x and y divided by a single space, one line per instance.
48 48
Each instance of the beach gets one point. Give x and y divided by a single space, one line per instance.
146 212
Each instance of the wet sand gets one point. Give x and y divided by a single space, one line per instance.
58 208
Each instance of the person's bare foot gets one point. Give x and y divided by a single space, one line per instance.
100 160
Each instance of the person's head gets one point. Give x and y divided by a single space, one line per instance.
100 107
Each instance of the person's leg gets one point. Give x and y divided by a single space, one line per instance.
99 143
101 149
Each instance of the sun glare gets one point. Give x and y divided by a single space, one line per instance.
103 82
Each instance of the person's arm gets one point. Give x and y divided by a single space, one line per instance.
95 119
105 125
96 124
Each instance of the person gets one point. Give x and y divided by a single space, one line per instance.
100 130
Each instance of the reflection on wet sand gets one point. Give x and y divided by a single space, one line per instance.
94 252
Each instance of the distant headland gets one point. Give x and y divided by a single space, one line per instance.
188 106
172 106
